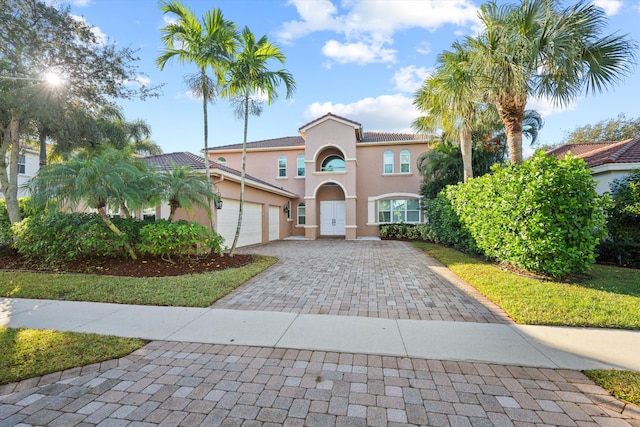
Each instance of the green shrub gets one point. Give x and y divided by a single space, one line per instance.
543 215
26 210
623 215
183 239
445 226
620 253
57 236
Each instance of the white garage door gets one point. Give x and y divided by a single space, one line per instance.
274 222
251 230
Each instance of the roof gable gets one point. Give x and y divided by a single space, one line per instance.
330 116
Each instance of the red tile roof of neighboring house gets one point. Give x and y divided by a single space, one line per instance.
168 160
602 153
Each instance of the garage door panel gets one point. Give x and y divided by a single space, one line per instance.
251 230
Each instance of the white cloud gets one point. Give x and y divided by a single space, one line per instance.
81 3
611 7
424 48
359 52
409 79
169 20
368 25
546 107
386 113
101 38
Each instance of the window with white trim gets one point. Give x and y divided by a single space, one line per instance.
388 162
22 164
407 211
301 166
302 214
405 159
221 161
282 166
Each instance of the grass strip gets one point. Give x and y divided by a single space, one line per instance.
607 297
192 290
624 385
28 353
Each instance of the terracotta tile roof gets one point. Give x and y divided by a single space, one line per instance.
602 153
167 160
287 141
392 137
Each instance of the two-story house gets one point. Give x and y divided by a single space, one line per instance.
347 181
28 166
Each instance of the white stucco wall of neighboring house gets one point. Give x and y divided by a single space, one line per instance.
28 169
604 175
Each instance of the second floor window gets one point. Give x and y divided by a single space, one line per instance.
333 164
221 161
388 162
301 167
405 159
282 166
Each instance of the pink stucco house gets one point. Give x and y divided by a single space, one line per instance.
342 181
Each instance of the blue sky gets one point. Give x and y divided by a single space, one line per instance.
361 59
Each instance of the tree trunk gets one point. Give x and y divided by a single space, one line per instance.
103 214
10 142
466 145
242 173
207 166
511 110
43 149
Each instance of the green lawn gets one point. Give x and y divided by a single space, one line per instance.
26 353
607 297
193 290
624 385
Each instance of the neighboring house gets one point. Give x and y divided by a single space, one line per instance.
607 160
263 217
28 165
343 181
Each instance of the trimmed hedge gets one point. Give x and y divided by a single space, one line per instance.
182 239
544 215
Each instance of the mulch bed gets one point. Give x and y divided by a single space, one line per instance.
143 267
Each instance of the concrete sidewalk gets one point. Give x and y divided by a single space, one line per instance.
505 344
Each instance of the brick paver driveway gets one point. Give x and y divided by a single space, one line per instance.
369 278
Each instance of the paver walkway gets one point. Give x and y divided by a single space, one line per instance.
171 384
387 279
180 383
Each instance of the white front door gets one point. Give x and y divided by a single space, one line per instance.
333 215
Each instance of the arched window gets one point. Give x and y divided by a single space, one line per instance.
301 167
282 166
405 160
221 161
388 161
333 164
302 214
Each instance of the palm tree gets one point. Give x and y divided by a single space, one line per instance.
104 179
451 101
183 188
207 43
538 49
250 81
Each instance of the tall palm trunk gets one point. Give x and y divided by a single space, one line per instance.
511 110
242 172
43 148
103 214
207 167
466 145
